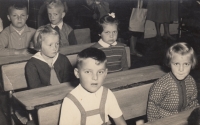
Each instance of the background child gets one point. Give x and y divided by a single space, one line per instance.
15 39
91 70
56 13
48 67
115 51
176 91
194 118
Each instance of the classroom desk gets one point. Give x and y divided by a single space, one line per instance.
177 119
39 96
67 50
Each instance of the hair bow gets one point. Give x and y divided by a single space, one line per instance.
112 15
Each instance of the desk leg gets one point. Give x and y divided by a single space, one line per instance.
11 108
30 116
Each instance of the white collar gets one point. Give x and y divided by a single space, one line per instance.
106 45
19 32
39 56
59 25
85 93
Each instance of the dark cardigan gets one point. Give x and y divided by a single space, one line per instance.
37 72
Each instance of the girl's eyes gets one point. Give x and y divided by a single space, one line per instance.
187 64
101 72
110 32
87 72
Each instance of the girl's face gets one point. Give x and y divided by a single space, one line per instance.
50 46
180 65
109 34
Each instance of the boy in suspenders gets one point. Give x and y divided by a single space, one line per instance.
90 103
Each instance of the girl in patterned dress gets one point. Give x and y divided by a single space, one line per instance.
176 91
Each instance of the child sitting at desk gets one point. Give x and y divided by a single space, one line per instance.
90 103
48 67
176 91
15 39
115 51
56 13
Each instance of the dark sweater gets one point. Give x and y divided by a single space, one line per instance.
37 72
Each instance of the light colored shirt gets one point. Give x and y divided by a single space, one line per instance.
106 45
59 25
10 40
70 114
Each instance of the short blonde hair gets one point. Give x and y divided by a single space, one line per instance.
56 4
181 48
40 33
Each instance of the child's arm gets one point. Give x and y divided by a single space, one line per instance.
1 25
154 101
72 38
124 60
32 76
114 110
193 99
119 121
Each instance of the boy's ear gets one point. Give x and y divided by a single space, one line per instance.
63 14
76 73
27 17
8 16
106 72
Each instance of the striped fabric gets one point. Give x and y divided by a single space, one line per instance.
116 57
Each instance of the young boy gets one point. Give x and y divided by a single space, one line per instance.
15 39
90 103
56 14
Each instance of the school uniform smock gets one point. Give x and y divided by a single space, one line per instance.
70 114
66 34
115 54
169 96
11 39
38 72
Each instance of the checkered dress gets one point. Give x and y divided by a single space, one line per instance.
168 96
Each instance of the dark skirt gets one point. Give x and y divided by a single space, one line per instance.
162 11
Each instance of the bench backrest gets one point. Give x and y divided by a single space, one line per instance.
82 35
53 119
132 101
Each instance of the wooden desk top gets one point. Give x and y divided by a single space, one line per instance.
68 50
44 95
178 119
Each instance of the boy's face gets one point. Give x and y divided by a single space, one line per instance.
55 15
18 18
109 34
91 74
180 65
50 46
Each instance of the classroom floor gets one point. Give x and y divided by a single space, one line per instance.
153 54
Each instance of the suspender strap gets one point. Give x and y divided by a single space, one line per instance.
102 103
100 111
80 107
